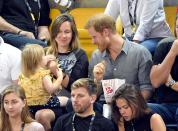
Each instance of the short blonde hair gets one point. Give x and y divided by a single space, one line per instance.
101 21
31 58
86 83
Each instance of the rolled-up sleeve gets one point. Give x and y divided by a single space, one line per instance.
144 70
150 9
112 8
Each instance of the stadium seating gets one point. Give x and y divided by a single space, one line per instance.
170 16
53 14
81 15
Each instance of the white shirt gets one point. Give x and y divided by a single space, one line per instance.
150 18
10 64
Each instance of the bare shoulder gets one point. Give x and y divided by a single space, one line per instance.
156 120
35 126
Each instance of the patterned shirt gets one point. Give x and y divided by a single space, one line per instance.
33 86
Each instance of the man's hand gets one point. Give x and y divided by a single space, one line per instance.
43 33
50 58
99 70
27 34
174 48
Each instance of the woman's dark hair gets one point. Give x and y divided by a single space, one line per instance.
134 100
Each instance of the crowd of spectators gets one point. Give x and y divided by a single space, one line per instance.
37 64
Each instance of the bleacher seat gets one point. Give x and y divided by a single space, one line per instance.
170 16
53 14
81 15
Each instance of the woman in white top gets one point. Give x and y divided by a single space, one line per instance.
14 111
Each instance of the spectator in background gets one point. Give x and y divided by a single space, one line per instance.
123 59
10 64
143 20
83 95
164 77
65 46
14 111
130 111
24 22
171 39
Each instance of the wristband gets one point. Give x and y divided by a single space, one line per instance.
170 83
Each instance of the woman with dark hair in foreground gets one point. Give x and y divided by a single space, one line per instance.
130 111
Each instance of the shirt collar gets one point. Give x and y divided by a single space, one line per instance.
125 49
104 54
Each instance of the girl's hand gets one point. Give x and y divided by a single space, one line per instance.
52 66
50 58
59 73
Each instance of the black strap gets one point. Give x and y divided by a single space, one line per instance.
22 127
78 53
133 20
35 21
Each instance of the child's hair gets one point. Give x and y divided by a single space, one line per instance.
25 115
31 58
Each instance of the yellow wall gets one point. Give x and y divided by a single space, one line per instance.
81 15
170 16
53 14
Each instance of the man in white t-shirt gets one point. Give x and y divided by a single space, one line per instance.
10 64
